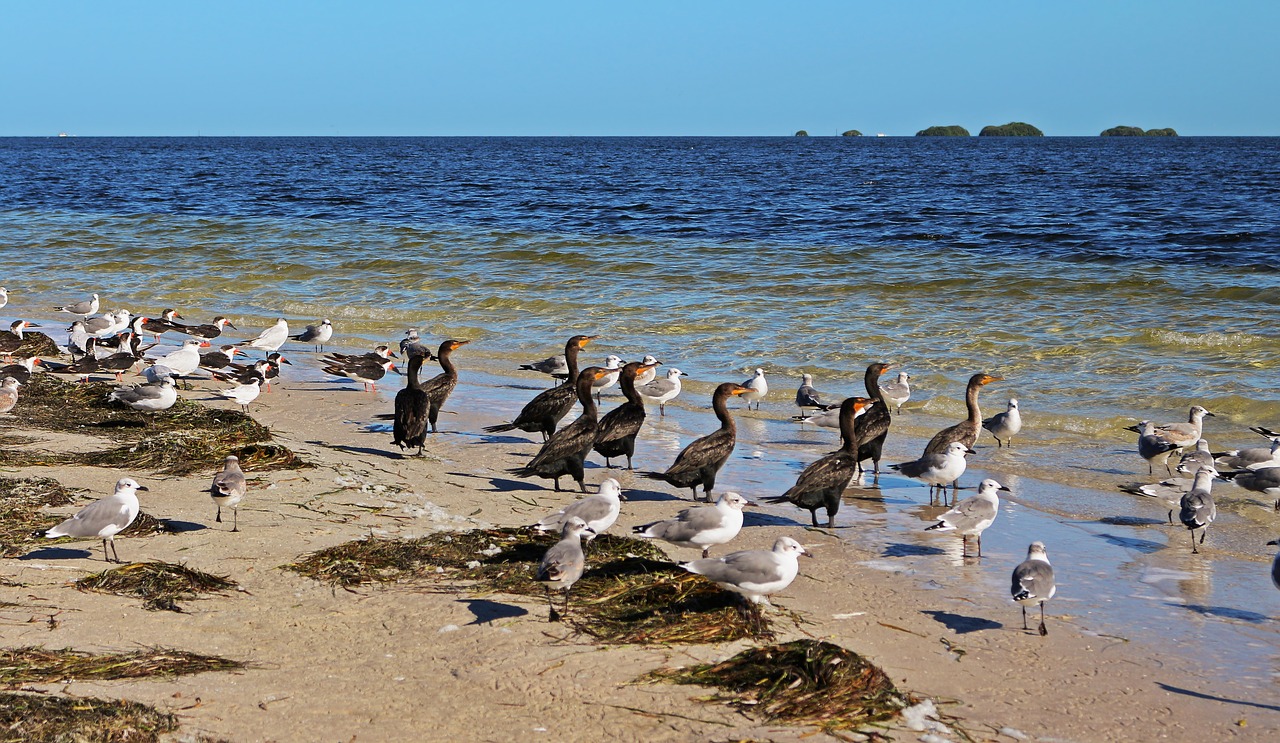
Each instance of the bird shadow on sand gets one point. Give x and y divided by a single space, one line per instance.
487 611
485 438
1210 697
1132 521
960 624
1129 543
902 549
1225 611
756 518
173 526
653 496
385 453
57 553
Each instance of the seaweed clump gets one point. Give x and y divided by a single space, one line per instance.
33 665
629 594
160 584
183 439
36 718
806 682
22 516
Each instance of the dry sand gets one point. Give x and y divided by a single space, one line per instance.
406 662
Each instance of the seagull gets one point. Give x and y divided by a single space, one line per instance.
662 391
104 518
412 345
556 366
897 392
757 388
1265 480
649 364
244 393
227 489
807 398
83 308
1169 492
1198 509
1033 583
1004 426
185 360
972 516
316 335
937 469
613 365
1199 457
8 394
77 337
562 565
149 397
1267 456
826 418
1151 446
700 527
754 574
1186 434
599 511
270 339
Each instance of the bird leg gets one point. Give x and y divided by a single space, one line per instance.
218 518
1043 630
1194 551
552 614
705 551
979 545
235 519
1024 618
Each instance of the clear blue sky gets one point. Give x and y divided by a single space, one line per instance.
284 67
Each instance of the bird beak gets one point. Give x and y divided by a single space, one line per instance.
970 451
143 487
229 325
807 554
205 344
1274 542
589 530
739 391
993 379
33 325
1211 415
283 360
459 344
752 504
1005 489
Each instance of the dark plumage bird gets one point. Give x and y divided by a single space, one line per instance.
616 433
872 427
543 412
269 369
410 420
699 462
22 370
823 482
161 325
119 363
439 387
379 354
15 337
564 453
966 431
87 365
365 372
220 359
245 373
207 331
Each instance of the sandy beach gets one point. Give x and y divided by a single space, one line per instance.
413 662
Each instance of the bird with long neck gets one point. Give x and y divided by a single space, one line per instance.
439 387
966 431
410 420
872 427
823 482
616 434
699 462
544 412
566 449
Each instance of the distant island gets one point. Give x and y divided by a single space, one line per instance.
1136 131
802 133
943 131
1012 129
851 133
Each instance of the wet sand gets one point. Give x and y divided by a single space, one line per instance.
410 662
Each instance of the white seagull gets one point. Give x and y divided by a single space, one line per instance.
972 516
757 388
755 574
244 393
1033 583
317 335
150 397
562 565
83 308
227 489
105 518
270 339
599 511
662 391
897 392
700 527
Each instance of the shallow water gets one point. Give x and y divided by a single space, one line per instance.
1106 281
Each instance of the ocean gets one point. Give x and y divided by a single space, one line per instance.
1107 280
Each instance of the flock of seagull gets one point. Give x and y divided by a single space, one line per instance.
863 422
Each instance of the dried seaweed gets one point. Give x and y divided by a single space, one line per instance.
35 718
629 594
806 682
22 517
34 665
183 439
160 584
